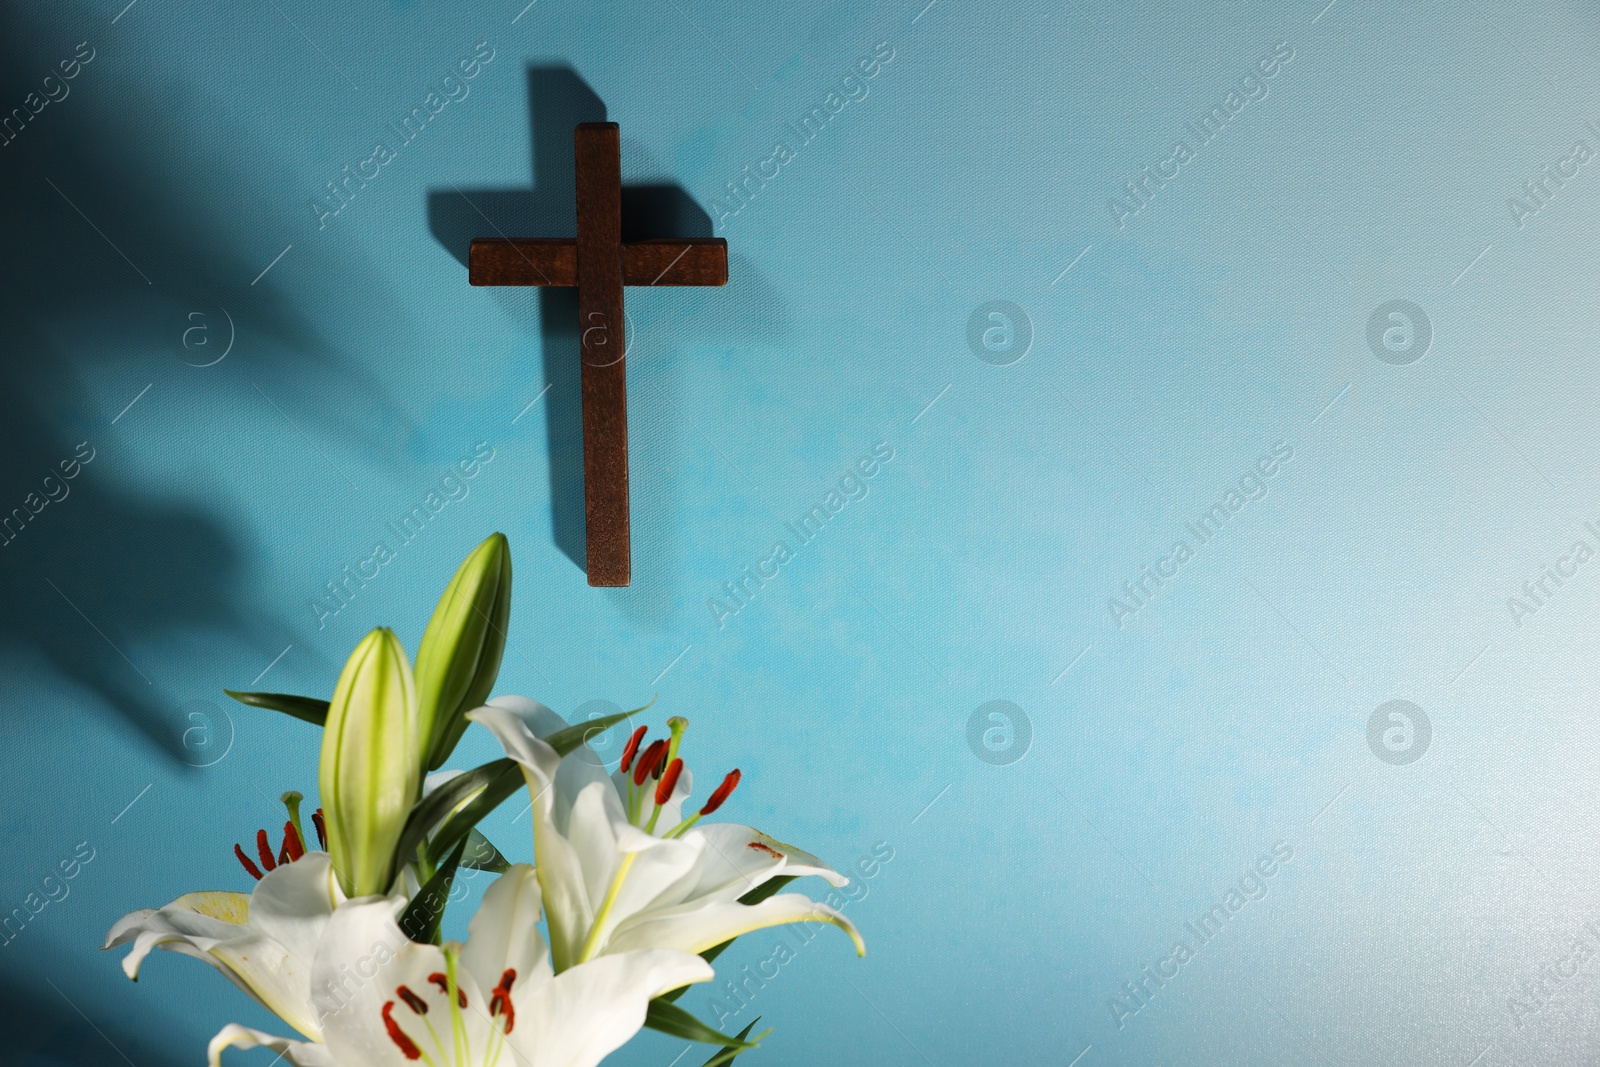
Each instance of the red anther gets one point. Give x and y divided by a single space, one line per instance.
322 829
264 849
414 1002
647 762
500 1001
438 979
255 872
714 801
632 747
293 847
669 782
408 1047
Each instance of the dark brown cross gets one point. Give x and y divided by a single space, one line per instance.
599 263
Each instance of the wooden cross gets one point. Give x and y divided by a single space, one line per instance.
599 263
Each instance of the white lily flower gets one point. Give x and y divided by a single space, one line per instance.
496 1000
620 868
264 942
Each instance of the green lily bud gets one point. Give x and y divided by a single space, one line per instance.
459 657
371 772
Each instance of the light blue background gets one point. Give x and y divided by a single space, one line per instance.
1423 900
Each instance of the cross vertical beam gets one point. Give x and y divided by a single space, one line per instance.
602 344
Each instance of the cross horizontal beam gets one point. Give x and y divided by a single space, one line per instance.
554 261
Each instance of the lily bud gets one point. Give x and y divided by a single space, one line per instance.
459 657
371 771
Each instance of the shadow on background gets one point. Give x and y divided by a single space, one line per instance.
558 100
44 1029
116 231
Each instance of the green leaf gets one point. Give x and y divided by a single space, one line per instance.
306 709
459 657
766 889
727 1054
437 805
422 916
566 741
481 855
459 826
670 1019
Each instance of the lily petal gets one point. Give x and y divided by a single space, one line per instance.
364 962
193 917
572 1019
263 943
292 904
696 926
739 858
504 933
298 1053
587 1012
569 907
583 766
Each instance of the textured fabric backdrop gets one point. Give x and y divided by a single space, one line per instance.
1130 508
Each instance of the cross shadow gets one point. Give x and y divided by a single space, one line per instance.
116 232
559 99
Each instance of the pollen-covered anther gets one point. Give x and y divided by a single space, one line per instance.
322 829
669 781
408 1047
293 847
414 1002
255 872
264 850
647 762
714 801
632 748
500 1000
438 979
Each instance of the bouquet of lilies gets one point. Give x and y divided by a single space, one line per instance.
628 901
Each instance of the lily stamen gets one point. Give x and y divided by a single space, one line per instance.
500 1005
293 847
294 841
443 982
420 1007
264 850
500 1001
713 802
632 747
647 762
669 782
255 872
408 1048
641 770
